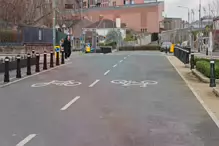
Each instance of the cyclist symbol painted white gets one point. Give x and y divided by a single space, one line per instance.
144 83
70 83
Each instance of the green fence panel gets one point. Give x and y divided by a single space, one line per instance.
59 36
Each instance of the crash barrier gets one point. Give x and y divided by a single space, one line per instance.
182 53
106 49
28 61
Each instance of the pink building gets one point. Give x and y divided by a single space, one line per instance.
144 17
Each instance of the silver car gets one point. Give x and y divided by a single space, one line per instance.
165 45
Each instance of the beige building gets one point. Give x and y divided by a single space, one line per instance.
172 23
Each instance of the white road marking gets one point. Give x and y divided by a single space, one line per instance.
26 140
124 57
115 65
121 61
106 72
26 77
211 114
70 103
94 83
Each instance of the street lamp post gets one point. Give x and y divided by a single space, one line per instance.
54 22
188 11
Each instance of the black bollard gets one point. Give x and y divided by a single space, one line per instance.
6 75
57 59
33 53
212 74
63 57
28 64
18 75
37 62
45 61
192 61
51 59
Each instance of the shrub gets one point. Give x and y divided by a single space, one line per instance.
140 48
204 59
203 66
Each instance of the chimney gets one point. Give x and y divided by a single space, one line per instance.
100 17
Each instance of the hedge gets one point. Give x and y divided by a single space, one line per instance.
203 66
205 59
140 48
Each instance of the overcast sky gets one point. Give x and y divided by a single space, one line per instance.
172 9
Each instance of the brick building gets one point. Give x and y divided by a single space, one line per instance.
143 17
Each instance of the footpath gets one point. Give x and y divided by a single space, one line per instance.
202 91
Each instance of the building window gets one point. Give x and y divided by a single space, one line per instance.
84 4
114 3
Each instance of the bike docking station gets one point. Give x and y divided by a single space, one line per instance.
29 60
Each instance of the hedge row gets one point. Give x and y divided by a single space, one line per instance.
140 48
203 66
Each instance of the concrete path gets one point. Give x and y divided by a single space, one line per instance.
121 99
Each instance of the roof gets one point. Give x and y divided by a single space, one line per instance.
148 4
77 28
105 23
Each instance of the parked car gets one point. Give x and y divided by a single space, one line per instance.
165 45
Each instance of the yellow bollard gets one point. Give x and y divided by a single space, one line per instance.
172 48
57 49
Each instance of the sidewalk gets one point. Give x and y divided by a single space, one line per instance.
202 91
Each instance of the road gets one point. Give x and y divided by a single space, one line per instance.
107 106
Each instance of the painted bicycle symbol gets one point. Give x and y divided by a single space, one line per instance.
70 83
144 83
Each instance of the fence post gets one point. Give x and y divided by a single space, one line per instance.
45 61
51 59
18 75
6 75
192 62
28 64
212 74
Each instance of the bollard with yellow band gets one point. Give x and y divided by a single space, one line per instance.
57 49
172 48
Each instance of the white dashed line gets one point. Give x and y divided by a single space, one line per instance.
124 57
121 61
26 140
70 103
115 65
94 83
106 72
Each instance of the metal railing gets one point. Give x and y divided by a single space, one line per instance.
182 53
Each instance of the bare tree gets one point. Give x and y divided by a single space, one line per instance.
24 11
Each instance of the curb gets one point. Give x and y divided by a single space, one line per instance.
216 91
201 77
187 65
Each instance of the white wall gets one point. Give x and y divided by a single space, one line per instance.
104 31
144 40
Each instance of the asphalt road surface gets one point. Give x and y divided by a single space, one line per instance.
120 99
